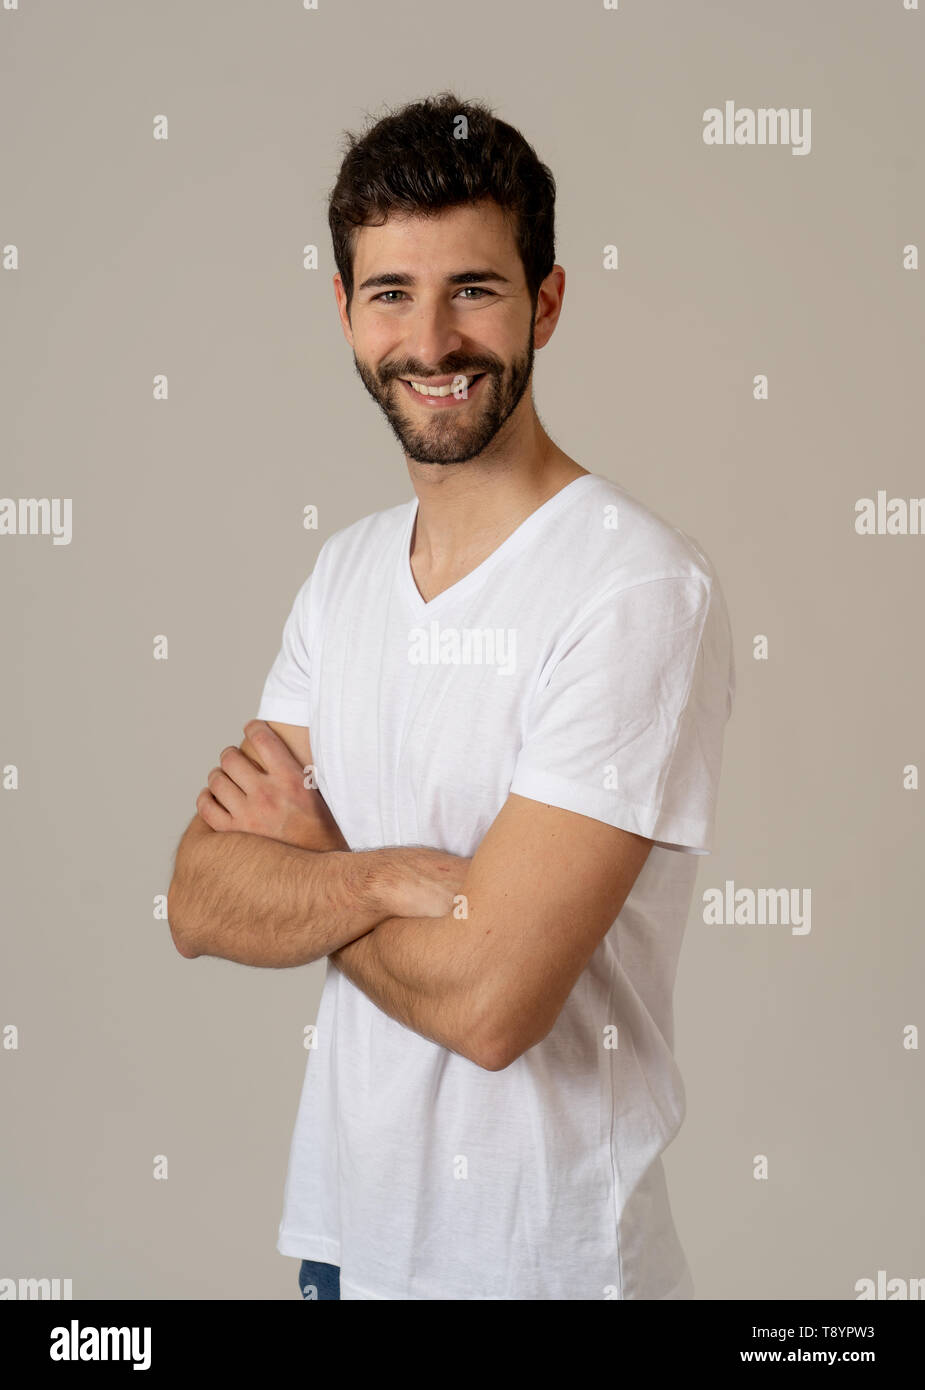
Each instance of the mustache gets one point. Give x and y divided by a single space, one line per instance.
471 370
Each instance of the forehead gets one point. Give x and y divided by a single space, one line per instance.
474 232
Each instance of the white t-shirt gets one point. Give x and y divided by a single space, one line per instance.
586 663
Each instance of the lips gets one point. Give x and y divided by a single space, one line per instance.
449 399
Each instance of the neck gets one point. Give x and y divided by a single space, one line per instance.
465 507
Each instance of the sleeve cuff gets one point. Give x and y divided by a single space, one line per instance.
283 711
667 831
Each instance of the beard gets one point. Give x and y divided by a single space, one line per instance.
459 433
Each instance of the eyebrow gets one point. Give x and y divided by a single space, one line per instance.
389 278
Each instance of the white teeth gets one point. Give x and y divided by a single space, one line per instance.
438 390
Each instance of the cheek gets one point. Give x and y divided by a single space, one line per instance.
375 336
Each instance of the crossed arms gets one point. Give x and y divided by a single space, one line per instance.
478 955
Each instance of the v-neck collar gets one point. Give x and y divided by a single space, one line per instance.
508 547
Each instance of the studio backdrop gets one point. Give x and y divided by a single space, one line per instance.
740 216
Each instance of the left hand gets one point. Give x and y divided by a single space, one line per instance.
274 803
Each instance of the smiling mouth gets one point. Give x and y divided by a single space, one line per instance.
443 396
445 389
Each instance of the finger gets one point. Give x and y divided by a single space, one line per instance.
239 768
226 792
249 751
214 815
274 755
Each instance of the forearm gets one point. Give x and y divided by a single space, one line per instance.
259 901
424 974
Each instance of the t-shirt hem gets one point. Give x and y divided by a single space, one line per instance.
684 1289
354 1291
327 1250
321 1248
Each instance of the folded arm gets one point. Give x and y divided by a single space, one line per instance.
542 889
280 887
477 955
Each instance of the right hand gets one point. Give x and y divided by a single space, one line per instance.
260 788
426 882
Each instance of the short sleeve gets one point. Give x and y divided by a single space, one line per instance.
628 721
286 691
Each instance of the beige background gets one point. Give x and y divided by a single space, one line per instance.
185 257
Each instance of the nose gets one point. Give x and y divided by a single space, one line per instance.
431 334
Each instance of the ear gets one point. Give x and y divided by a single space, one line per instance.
341 296
548 306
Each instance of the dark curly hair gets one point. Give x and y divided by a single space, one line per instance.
411 161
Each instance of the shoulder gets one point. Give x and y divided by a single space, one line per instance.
364 541
621 559
630 565
368 530
617 541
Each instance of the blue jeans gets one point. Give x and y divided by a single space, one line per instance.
318 1280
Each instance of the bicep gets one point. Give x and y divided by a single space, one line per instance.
544 887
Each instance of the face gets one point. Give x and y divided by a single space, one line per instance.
442 300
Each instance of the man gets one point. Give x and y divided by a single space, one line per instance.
512 693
